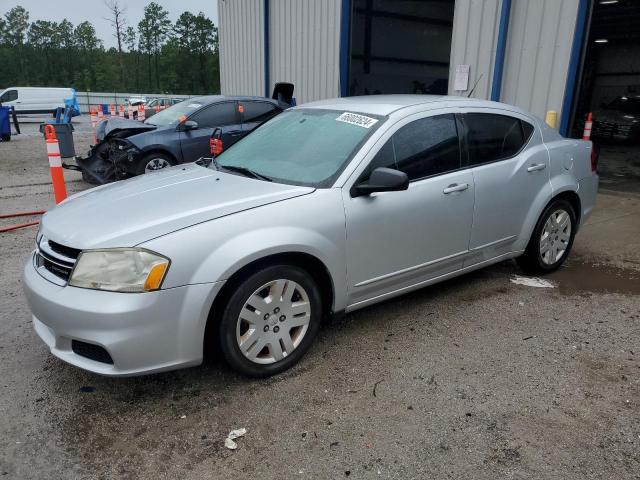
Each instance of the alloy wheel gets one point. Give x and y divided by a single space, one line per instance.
156 164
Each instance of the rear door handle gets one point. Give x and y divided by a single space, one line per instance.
536 167
235 133
456 187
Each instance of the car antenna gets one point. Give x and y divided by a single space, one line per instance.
475 85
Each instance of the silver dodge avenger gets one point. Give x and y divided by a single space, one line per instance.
327 208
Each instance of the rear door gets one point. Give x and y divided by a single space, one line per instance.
510 166
195 143
255 113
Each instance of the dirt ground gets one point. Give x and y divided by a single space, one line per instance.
474 378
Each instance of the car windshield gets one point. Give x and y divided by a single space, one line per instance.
626 104
152 102
302 146
171 115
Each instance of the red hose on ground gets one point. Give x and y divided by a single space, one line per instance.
20 225
15 227
22 214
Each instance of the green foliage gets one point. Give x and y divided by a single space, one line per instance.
157 56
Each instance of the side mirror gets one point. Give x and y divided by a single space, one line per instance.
187 125
382 180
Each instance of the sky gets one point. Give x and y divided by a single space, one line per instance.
77 11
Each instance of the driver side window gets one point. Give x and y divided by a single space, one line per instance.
9 96
423 148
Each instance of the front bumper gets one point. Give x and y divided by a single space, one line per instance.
142 332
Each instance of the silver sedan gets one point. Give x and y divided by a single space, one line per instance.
327 208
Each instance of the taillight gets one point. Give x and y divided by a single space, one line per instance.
594 158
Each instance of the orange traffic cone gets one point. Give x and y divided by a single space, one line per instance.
587 127
94 116
55 163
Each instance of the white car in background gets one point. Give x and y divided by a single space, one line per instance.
33 100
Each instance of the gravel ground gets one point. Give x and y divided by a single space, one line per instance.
473 378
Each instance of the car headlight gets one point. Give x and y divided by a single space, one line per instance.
131 270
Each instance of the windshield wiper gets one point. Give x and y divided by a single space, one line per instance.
247 172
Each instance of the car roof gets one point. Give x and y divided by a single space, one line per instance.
220 98
387 104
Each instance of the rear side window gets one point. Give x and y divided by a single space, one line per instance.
217 115
258 111
493 137
422 148
9 96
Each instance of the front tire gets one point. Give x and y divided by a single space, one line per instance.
154 162
270 321
551 240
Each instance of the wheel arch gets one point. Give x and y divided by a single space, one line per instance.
310 263
158 149
573 198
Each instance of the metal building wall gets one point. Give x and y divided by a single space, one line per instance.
538 54
304 47
475 32
241 37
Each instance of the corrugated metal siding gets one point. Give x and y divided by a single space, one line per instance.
475 33
538 54
304 47
241 37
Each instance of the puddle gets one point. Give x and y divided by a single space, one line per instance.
577 277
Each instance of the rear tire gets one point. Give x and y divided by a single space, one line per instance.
551 240
270 321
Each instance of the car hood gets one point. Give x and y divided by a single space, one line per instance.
130 212
122 126
615 116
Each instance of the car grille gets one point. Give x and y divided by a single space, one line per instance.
91 351
56 259
62 250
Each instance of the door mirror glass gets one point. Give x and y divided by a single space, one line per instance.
382 180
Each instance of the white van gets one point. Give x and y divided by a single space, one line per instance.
37 99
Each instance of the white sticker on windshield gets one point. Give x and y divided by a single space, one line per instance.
355 119
194 105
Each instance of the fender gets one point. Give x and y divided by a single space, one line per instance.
312 224
240 251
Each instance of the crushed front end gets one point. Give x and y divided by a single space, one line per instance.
113 156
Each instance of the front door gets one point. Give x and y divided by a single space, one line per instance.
195 143
396 240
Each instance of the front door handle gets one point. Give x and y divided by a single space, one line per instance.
456 187
536 167
235 133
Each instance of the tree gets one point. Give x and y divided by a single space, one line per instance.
205 40
43 37
118 22
15 29
87 44
181 58
155 28
130 39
